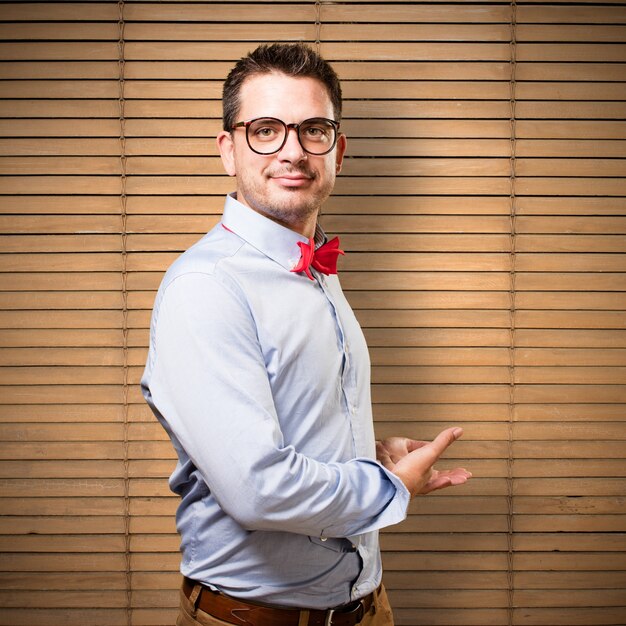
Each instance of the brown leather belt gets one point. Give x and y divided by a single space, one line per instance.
236 612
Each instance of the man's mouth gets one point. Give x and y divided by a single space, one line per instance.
292 179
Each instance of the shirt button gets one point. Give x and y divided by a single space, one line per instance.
323 538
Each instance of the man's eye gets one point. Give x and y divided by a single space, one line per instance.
265 131
317 132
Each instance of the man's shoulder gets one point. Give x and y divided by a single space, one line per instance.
205 255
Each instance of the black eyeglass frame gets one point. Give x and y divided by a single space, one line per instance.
296 127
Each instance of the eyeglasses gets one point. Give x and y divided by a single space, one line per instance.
268 135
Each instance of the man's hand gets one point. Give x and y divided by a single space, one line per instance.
412 461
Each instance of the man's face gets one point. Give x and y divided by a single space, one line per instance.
290 185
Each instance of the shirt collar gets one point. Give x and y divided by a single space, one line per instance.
270 238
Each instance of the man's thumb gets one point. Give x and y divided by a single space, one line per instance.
445 438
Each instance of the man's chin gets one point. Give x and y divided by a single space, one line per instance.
291 209
295 199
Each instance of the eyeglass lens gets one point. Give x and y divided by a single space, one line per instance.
267 135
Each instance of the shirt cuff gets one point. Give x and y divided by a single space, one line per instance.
399 505
392 498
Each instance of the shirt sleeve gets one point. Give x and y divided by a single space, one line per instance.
209 383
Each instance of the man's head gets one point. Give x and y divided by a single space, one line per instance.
296 60
285 166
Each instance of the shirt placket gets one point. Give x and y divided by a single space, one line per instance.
348 373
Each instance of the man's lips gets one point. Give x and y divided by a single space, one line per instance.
292 179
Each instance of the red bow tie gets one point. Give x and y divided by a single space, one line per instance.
324 259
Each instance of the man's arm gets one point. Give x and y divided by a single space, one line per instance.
412 461
210 383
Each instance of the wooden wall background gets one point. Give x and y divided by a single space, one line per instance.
482 205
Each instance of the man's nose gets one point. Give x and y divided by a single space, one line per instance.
292 151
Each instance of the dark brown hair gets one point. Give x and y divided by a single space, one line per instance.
293 59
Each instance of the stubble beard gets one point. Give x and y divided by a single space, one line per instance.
293 208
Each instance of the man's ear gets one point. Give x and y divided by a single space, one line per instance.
226 148
342 143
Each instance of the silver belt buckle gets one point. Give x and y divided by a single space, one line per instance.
359 607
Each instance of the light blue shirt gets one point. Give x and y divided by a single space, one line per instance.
261 378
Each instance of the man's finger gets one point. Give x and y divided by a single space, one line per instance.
448 478
441 482
458 475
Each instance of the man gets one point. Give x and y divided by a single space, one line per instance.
259 373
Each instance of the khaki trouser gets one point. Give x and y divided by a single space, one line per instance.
379 615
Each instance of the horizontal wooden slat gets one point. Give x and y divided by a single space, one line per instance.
58 11
38 51
592 91
577 15
71 69
90 229
538 357
491 598
567 32
585 52
60 88
568 71
496 580
544 375
196 166
60 413
56 469
288 32
332 51
376 13
59 31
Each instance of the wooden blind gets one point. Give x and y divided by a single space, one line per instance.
482 208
